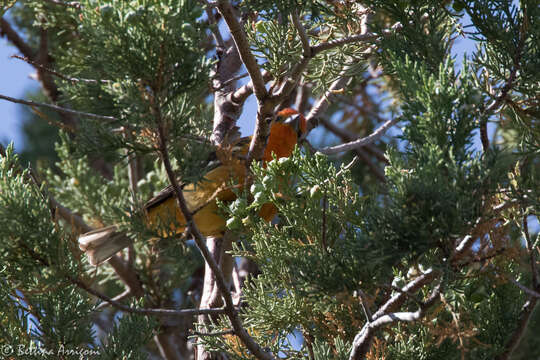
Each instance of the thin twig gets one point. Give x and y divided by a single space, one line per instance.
360 153
324 101
230 81
126 293
42 57
504 91
144 311
377 134
217 333
348 166
342 41
365 307
72 4
57 74
220 44
127 274
525 289
133 172
58 109
323 237
516 337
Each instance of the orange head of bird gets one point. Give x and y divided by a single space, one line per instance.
284 134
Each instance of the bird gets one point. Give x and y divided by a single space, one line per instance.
162 212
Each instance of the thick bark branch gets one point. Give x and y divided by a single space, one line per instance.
242 93
226 110
242 45
302 34
7 31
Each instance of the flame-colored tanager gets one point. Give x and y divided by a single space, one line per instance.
162 210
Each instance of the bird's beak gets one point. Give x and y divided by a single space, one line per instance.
295 120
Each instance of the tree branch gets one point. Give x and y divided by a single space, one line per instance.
398 299
72 218
58 109
518 333
302 34
377 134
346 136
324 101
242 45
317 49
226 110
7 31
220 44
57 74
532 293
242 93
362 341
72 4
143 311
504 91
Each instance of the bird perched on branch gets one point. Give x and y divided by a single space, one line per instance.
162 211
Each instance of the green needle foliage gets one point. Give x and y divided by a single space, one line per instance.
421 244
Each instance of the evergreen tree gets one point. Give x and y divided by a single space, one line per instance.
414 243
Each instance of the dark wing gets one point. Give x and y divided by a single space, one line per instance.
212 163
162 196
